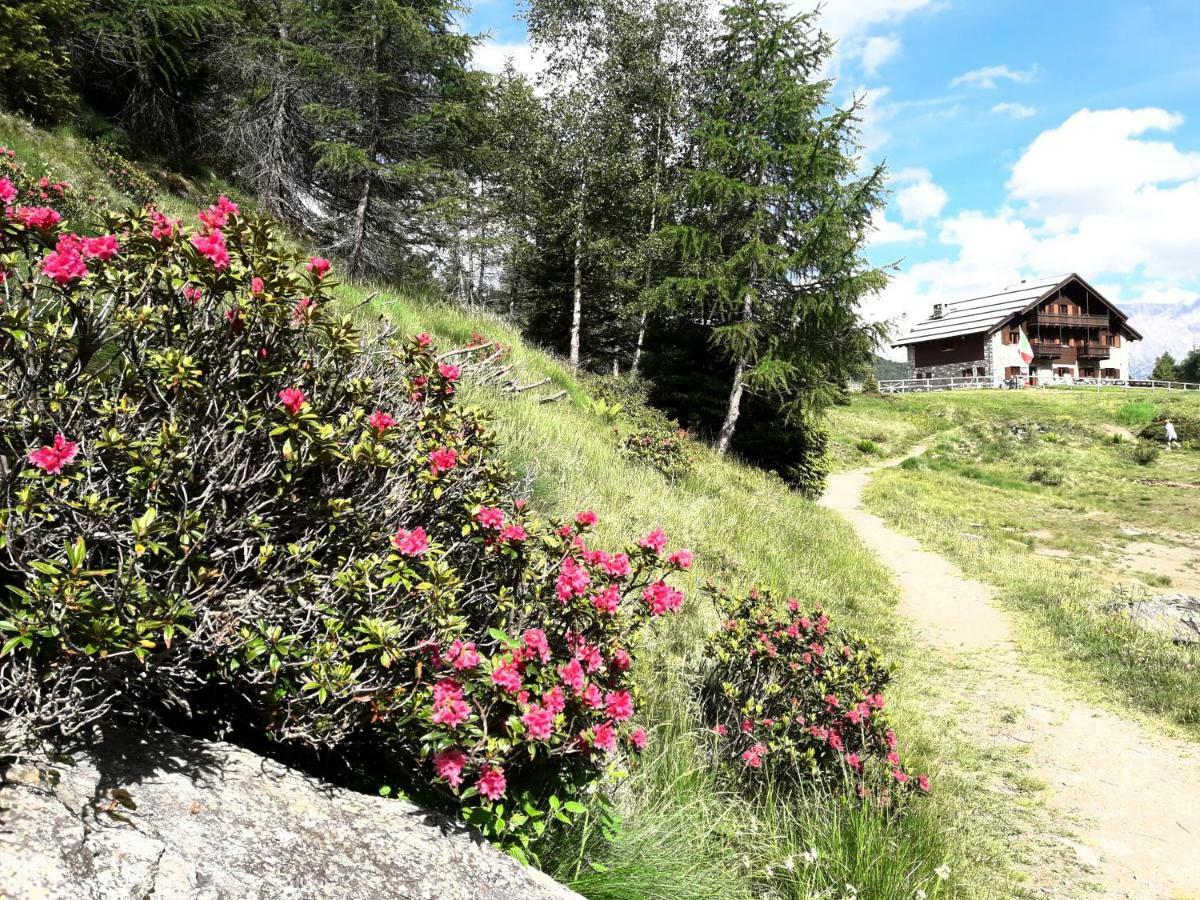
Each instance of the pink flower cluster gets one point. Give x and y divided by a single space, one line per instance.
293 400
411 543
54 458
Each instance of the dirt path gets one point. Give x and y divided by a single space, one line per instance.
1130 796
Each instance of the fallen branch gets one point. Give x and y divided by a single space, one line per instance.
553 397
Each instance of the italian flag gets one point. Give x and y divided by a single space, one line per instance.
1024 349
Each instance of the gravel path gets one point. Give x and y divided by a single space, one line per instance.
1130 796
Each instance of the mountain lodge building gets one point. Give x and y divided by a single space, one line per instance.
1074 331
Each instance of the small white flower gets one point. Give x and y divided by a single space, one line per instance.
919 894
810 856
790 863
942 871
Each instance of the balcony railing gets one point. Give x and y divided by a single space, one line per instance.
1047 349
1093 351
1046 318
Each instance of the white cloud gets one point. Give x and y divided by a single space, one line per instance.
884 231
847 18
919 198
491 56
876 112
1016 110
989 76
1093 195
877 51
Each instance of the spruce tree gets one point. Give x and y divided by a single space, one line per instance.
1164 368
777 216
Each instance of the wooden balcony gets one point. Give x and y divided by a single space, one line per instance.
1046 349
1080 321
1093 350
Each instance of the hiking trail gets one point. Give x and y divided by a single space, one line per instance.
1129 796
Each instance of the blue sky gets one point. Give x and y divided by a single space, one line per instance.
1024 138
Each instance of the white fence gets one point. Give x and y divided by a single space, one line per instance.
917 385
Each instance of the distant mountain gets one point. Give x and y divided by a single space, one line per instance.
1170 327
888 369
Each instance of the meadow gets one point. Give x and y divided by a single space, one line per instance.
1049 496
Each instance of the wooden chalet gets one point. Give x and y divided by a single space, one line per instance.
1075 333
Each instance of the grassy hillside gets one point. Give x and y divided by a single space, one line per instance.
1046 495
684 833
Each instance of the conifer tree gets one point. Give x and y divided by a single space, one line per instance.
1164 368
777 215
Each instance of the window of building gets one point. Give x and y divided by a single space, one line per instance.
979 372
1116 340
965 373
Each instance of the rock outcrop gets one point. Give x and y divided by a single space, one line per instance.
1174 616
170 817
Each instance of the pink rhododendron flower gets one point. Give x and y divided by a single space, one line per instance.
890 737
449 372
463 655
617 565
585 519
103 248
64 267
572 676
513 532
893 758
380 421
753 757
192 294
637 737
747 725
40 218
218 214
604 737
411 543
655 540
507 676
304 308
923 783
620 660
256 285
293 399
535 644
554 700
449 765
572 581
593 697
8 191
720 730
490 517
662 598
446 689
212 245
619 706
854 762
900 776
54 458
424 339
540 722
443 459
608 600
318 266
162 227
681 558
491 783
451 712
592 659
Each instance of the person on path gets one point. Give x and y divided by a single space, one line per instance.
1172 435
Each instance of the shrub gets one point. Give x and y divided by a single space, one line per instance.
870 384
220 498
123 174
1187 429
866 446
1144 454
34 63
1047 475
645 435
791 700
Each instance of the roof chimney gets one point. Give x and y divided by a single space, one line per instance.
939 310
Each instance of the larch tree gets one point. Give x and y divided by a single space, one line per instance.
777 214
1165 368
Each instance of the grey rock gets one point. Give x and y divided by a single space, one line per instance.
163 816
1175 616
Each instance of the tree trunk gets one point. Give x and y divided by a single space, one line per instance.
577 308
734 410
358 237
276 160
641 338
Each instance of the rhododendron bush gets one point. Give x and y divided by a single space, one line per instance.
221 498
791 699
